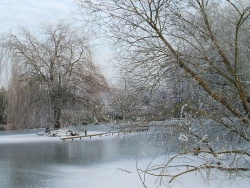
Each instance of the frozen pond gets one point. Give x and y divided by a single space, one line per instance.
31 161
27 160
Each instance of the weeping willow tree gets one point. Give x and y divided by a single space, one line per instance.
198 43
51 70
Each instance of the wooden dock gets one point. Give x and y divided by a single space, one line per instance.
82 136
102 134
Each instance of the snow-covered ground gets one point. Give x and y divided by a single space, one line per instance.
120 173
41 136
25 138
30 138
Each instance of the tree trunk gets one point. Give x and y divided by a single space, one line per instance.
57 116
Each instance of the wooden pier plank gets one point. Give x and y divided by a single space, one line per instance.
101 134
81 136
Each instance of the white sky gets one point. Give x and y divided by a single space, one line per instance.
31 13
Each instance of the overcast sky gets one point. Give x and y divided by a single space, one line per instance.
31 13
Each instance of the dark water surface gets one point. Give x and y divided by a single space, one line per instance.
40 164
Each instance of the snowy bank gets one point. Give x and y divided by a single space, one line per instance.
25 138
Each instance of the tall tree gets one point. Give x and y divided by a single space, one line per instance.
203 41
3 106
56 65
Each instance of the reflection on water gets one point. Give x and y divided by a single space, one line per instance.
37 164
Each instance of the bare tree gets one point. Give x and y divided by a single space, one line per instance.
54 66
204 42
